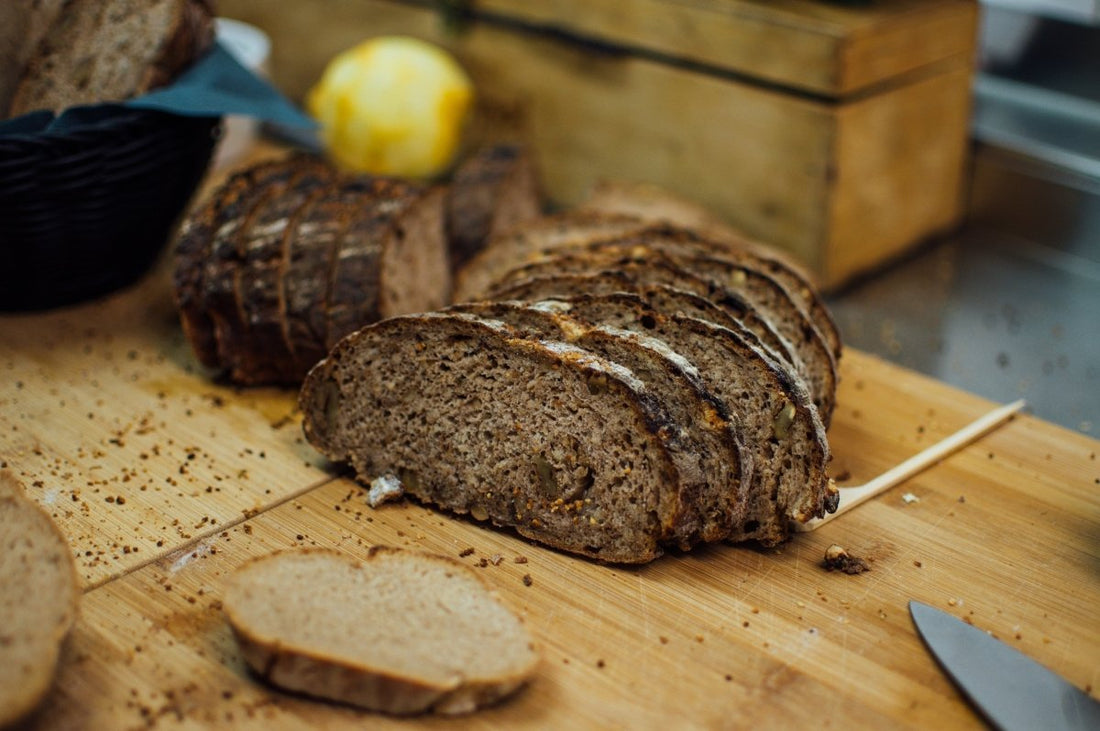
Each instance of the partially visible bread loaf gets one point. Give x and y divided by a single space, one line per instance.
714 464
112 50
568 448
288 256
400 632
38 600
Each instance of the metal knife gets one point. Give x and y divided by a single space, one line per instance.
1010 689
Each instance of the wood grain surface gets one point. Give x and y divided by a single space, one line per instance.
164 481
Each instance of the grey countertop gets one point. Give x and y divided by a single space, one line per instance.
1007 307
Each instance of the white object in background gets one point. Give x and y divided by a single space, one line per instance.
252 49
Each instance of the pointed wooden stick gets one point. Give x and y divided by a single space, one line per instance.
853 495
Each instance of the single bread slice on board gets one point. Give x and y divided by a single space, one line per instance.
39 594
493 190
715 468
565 447
400 632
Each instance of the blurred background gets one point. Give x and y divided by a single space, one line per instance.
1009 306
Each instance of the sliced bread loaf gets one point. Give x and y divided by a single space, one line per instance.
566 447
39 594
650 265
288 256
713 463
401 632
779 423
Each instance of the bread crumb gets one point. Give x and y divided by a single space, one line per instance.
910 498
838 559
468 551
527 580
519 559
383 489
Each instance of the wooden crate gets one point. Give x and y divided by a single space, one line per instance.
836 131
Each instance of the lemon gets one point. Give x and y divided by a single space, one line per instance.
392 105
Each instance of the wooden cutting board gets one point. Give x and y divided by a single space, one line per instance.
164 481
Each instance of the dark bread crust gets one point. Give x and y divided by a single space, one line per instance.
309 262
651 259
193 250
733 312
493 190
370 402
262 354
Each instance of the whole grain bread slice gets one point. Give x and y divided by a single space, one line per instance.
714 466
39 594
112 50
567 448
400 631
392 260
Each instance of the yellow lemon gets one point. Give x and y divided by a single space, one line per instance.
392 105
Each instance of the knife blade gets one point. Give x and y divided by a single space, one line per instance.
1010 689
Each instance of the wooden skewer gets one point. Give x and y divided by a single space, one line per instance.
854 495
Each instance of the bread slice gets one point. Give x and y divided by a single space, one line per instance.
112 50
39 594
392 260
493 190
402 632
715 467
567 448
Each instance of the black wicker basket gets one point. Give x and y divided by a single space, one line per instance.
88 210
